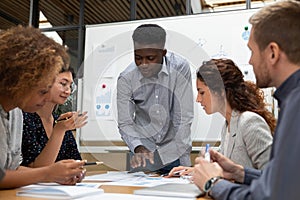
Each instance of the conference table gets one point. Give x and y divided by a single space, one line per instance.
11 194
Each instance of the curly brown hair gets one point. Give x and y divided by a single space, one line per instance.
27 59
223 74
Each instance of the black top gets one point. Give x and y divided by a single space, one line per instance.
35 139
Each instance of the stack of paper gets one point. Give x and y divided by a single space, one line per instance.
58 191
172 190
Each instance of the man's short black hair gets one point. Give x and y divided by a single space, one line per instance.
149 34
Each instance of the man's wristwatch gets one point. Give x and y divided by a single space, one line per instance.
210 183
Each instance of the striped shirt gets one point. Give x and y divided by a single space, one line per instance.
157 112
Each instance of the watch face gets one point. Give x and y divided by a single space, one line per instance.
207 185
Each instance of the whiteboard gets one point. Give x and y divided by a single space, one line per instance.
109 50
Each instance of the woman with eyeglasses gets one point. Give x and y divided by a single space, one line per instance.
48 138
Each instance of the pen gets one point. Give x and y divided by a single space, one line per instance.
93 163
207 155
58 120
175 174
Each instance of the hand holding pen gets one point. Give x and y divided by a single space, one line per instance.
204 154
81 176
93 163
71 121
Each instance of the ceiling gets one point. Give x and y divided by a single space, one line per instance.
66 12
13 12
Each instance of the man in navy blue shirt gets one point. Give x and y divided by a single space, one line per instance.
275 56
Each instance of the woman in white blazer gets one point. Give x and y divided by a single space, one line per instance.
246 137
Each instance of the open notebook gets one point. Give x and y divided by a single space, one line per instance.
58 191
172 190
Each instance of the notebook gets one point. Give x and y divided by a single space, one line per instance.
187 190
58 191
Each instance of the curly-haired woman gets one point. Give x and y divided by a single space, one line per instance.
246 137
29 64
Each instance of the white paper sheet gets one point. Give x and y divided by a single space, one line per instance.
114 176
146 181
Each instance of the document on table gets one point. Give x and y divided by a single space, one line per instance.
82 184
56 191
124 178
114 176
146 181
172 190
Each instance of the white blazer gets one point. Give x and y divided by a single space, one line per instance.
250 140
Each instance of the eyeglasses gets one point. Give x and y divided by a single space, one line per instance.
66 86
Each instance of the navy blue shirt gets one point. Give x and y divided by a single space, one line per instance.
35 139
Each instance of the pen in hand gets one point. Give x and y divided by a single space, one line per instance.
174 174
58 120
177 173
93 163
207 155
66 118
